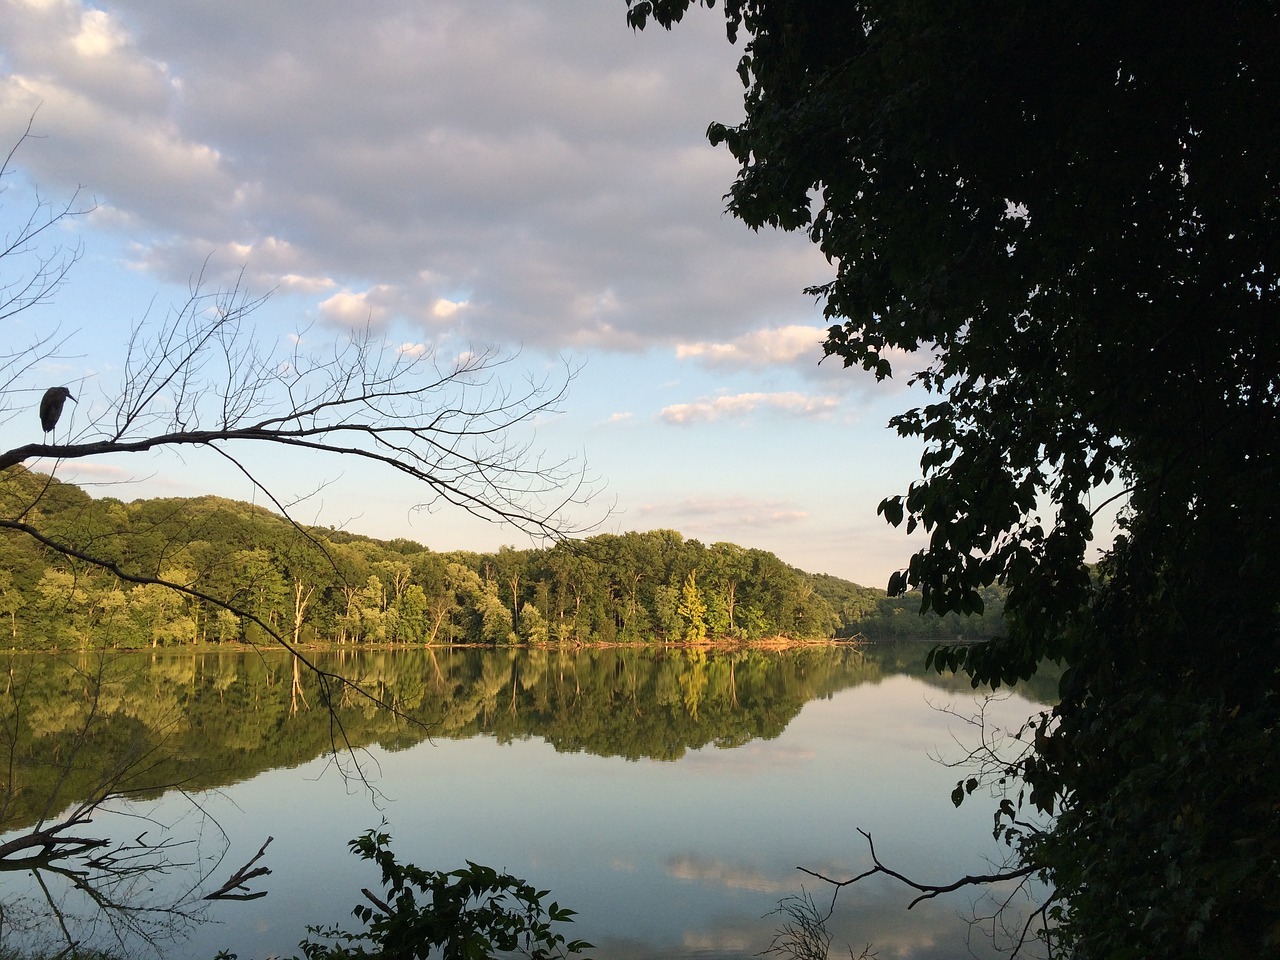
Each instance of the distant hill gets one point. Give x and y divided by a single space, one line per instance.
317 585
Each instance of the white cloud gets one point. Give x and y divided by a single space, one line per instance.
367 308
294 283
444 309
743 404
798 347
759 348
543 158
98 36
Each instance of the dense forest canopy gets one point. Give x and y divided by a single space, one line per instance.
315 585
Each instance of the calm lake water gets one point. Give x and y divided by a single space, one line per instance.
666 795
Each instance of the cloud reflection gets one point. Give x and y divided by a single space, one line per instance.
751 759
734 876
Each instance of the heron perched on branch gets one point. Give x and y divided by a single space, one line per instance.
51 406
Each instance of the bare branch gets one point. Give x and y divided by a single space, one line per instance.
377 902
42 269
52 843
927 890
199 380
240 878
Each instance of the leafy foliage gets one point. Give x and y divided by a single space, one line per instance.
473 913
321 585
1076 209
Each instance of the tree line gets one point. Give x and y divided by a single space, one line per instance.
327 586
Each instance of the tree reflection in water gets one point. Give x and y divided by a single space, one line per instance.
84 734
88 749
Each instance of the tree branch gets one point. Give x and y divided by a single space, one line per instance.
927 890
240 878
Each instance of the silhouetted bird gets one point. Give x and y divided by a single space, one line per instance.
51 406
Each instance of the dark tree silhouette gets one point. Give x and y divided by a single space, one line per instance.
1073 208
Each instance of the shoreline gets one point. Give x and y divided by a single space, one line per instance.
725 644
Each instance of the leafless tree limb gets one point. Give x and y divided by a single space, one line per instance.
199 380
377 902
240 878
927 890
43 268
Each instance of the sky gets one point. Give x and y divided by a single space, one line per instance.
533 176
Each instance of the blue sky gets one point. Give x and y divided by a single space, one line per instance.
534 176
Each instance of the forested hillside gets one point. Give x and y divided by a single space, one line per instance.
314 585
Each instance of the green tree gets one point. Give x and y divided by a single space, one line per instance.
260 589
159 615
1074 208
11 601
731 566
396 574
533 627
509 567
495 618
456 614
62 600
371 610
411 614
637 566
575 587
115 626
693 610
306 565
667 611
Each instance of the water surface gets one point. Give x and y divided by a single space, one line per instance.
667 796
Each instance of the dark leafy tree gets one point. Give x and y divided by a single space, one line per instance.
1074 211
472 913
